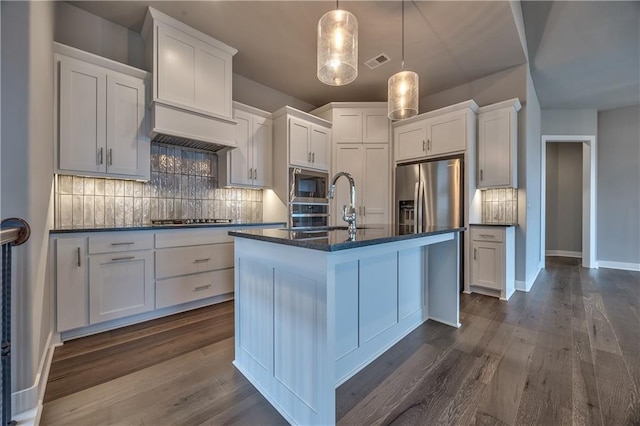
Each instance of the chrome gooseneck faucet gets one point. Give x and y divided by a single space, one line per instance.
349 214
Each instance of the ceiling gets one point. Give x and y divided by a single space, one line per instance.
582 52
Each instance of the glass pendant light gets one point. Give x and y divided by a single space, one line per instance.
337 47
402 100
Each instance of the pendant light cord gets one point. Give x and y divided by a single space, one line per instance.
402 35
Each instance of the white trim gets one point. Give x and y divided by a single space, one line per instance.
627 266
526 285
589 191
27 403
564 253
100 61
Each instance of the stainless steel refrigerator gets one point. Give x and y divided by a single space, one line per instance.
429 194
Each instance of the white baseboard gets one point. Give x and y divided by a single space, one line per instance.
526 285
618 265
564 253
27 403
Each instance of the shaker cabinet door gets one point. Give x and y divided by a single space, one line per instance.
319 147
82 117
376 174
125 126
261 152
240 157
72 290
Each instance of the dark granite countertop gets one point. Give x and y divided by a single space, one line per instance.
338 239
493 224
160 227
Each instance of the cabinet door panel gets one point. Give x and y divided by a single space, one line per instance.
410 141
319 148
240 157
299 137
213 88
261 154
176 66
348 126
494 149
375 127
446 134
72 290
487 265
125 120
82 117
120 285
375 199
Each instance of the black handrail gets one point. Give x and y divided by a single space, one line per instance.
13 232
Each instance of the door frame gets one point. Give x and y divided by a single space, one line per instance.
589 160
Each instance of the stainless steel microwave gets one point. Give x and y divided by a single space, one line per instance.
308 186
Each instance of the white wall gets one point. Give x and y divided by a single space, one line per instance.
618 186
564 197
533 231
488 90
80 29
27 174
569 122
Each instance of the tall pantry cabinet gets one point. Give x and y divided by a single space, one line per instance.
360 147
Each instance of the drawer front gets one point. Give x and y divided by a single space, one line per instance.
192 237
487 234
189 260
174 291
115 242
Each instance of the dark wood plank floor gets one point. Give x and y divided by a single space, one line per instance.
566 353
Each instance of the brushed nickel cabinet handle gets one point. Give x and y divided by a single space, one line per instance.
255 173
313 157
428 144
128 243
308 156
475 254
423 145
250 173
100 159
364 210
202 260
79 258
111 156
202 287
481 175
122 258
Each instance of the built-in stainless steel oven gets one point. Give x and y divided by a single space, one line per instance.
308 202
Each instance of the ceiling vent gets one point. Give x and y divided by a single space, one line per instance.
377 60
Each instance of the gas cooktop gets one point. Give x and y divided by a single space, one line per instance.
188 221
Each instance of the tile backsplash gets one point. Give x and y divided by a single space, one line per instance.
183 184
500 205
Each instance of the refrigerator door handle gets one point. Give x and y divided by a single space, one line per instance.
416 214
421 197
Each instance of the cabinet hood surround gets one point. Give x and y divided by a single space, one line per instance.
192 73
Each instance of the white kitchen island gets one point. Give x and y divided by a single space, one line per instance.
311 313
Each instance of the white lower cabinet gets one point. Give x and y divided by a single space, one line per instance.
493 260
120 285
111 279
71 278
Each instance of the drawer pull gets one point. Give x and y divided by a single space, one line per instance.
123 244
123 258
475 254
202 260
487 236
202 287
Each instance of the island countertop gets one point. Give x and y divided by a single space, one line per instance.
337 238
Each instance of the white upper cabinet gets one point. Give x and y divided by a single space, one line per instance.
250 163
101 116
434 134
308 144
498 145
360 125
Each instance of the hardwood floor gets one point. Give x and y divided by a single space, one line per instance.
566 353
